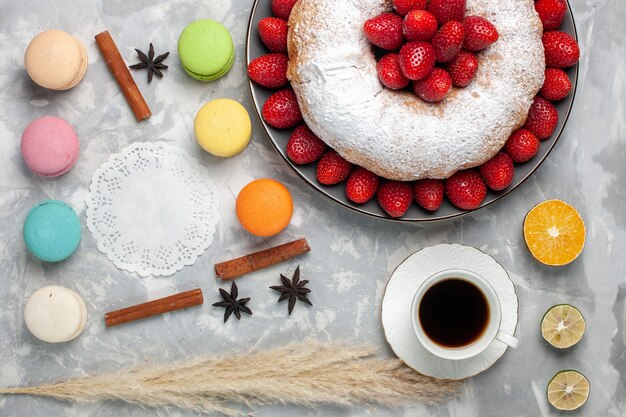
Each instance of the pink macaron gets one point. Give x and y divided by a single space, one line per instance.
50 146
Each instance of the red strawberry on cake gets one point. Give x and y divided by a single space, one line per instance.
403 7
303 147
522 146
332 168
269 70
429 194
417 60
385 31
435 87
551 13
282 8
447 10
542 118
498 172
395 197
419 25
448 41
361 185
561 49
281 110
466 189
556 85
273 33
389 72
463 69
479 33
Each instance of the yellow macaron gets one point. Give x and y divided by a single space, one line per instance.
223 127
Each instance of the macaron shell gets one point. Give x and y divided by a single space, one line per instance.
223 127
52 231
84 61
55 314
50 146
206 49
55 60
213 77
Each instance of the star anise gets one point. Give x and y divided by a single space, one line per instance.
232 304
293 290
154 65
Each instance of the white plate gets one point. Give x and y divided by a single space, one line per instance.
401 288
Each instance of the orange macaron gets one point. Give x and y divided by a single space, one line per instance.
264 207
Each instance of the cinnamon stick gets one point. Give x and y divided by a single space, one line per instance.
118 68
152 308
262 259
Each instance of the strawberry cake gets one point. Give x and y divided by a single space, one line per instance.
415 101
332 70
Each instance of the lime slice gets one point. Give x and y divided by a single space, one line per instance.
568 390
563 326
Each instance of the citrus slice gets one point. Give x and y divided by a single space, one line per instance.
568 390
554 232
563 326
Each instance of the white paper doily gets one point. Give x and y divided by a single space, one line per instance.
152 209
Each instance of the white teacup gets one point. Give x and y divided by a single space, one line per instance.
491 331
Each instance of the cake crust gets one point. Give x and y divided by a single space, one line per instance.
396 135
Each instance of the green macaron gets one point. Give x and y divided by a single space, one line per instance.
206 50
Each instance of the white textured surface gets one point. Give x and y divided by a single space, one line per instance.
152 208
397 135
399 294
352 256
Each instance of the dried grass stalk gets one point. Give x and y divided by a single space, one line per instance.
305 374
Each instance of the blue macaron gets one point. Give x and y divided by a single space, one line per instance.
52 231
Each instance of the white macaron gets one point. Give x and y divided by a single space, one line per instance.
55 314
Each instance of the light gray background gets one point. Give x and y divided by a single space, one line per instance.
352 255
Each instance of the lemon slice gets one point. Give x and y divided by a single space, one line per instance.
568 390
563 326
554 232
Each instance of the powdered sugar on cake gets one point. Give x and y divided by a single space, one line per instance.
395 134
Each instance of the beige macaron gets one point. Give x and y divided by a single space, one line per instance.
56 60
55 314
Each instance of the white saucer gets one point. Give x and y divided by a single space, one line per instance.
401 288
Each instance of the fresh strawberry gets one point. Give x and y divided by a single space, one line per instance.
269 70
561 49
428 193
395 197
521 146
303 147
551 13
403 7
466 189
556 86
282 8
361 186
281 110
498 172
463 69
448 41
273 33
385 31
479 33
389 72
332 168
417 60
542 118
419 25
435 87
447 10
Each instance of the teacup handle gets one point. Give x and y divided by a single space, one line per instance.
507 339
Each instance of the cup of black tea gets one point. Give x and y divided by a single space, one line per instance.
456 314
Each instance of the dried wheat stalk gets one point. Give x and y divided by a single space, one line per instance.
305 374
